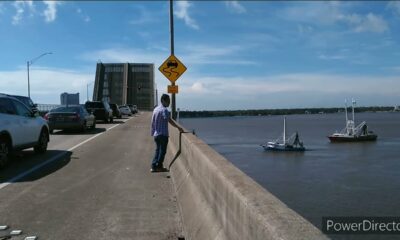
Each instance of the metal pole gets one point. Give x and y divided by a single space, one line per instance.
28 63
171 25
29 88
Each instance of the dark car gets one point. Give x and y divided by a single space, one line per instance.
133 108
71 117
115 109
101 110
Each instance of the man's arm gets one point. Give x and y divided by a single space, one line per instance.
172 122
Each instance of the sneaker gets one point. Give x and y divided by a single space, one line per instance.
162 169
153 170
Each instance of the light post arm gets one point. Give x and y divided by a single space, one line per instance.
29 63
36 58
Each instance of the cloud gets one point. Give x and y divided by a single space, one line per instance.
286 90
334 13
394 6
46 83
296 82
50 13
182 12
20 7
205 92
222 55
235 6
393 69
145 17
84 16
372 23
366 23
331 57
121 55
193 55
304 29
1 8
197 87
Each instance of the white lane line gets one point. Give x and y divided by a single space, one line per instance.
54 158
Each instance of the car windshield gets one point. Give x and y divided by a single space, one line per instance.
94 105
65 109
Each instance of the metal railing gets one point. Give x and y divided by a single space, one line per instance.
46 107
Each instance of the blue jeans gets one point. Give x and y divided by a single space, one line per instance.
161 150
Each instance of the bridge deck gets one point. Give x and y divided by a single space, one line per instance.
102 189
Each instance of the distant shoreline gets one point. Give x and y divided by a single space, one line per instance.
267 112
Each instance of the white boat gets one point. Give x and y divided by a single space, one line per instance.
291 144
351 133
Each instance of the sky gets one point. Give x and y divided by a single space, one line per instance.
238 54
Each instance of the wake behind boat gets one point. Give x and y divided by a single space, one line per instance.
351 133
291 144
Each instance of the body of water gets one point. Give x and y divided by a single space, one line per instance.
329 179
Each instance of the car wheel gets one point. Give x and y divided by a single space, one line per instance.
41 146
111 120
106 120
4 152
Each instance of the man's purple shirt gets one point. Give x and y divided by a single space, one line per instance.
159 121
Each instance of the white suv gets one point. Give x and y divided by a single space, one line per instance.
20 128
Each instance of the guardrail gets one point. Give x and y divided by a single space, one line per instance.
46 107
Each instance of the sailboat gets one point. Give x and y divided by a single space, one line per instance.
291 144
351 133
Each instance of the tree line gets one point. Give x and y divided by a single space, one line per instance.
286 111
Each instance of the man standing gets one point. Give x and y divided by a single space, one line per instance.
159 130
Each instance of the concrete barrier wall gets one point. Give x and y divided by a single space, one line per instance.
218 201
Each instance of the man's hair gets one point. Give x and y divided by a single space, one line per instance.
165 97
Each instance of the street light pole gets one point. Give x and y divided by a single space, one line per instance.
87 90
29 89
28 64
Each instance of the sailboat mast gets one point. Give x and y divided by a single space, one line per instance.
353 104
284 130
345 109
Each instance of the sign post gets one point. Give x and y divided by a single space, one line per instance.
172 68
171 27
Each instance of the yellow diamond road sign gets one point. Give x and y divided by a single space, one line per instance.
172 68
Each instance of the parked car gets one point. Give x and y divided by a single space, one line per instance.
71 117
25 100
20 128
101 110
133 108
115 109
125 110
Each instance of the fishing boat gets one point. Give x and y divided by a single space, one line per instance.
291 144
351 133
